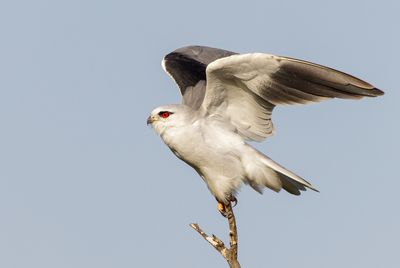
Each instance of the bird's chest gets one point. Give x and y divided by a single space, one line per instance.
185 143
200 147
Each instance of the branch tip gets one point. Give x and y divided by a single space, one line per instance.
230 254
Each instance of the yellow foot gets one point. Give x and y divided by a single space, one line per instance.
221 209
222 206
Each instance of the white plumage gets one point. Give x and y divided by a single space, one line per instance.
228 99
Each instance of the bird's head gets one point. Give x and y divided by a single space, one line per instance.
169 116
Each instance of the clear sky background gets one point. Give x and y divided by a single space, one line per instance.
85 183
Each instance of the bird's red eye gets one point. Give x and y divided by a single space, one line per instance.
164 114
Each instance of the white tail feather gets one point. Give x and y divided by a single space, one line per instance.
275 166
261 171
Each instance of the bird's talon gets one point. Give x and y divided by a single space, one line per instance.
233 200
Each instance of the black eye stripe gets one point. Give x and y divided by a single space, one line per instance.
160 113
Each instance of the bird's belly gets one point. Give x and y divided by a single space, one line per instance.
216 159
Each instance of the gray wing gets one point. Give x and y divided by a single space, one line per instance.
187 66
245 88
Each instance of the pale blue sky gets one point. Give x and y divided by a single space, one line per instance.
85 183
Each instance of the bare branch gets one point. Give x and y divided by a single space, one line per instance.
230 254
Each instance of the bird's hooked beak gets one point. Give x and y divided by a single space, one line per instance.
150 120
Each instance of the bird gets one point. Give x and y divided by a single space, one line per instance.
227 100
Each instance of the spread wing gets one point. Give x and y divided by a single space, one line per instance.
187 66
245 88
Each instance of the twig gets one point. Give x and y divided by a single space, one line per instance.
230 254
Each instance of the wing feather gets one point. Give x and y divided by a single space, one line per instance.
187 67
245 88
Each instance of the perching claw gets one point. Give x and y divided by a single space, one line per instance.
222 206
233 200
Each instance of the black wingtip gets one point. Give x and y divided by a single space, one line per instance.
315 190
377 92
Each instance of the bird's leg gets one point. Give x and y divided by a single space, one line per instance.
222 206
